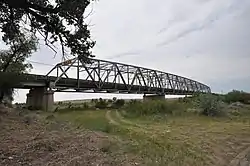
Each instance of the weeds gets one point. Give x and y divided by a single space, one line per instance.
154 107
88 119
107 128
118 103
101 104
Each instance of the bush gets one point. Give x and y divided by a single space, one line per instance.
85 105
185 99
118 103
153 107
210 105
94 100
101 104
237 96
69 105
73 107
60 103
133 101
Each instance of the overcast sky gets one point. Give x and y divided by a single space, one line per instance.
206 40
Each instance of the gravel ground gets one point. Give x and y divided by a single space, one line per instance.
33 139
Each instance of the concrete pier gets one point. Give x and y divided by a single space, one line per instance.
40 99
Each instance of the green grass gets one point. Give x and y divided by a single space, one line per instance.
93 120
171 140
146 108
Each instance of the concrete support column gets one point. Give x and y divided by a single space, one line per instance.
40 99
48 100
153 97
29 99
37 97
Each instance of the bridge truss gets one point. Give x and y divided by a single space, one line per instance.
105 76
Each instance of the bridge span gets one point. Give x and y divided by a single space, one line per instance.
100 76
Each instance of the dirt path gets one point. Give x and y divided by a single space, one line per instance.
242 159
110 119
123 125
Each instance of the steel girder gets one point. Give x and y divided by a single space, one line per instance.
133 78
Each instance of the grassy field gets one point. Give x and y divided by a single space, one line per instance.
172 140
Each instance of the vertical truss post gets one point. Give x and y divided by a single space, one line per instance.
78 73
57 72
128 74
99 75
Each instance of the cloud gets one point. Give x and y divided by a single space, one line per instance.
206 40
169 25
124 54
200 25
183 21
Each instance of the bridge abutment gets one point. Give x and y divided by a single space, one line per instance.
40 98
153 97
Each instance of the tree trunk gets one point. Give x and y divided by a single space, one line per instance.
4 69
1 96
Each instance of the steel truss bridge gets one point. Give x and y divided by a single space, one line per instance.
110 77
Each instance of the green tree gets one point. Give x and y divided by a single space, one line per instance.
13 60
210 105
237 96
54 20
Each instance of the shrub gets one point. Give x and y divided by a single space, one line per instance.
69 105
234 112
73 107
185 99
114 99
101 104
210 105
118 103
60 103
237 96
153 107
133 101
94 100
85 105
